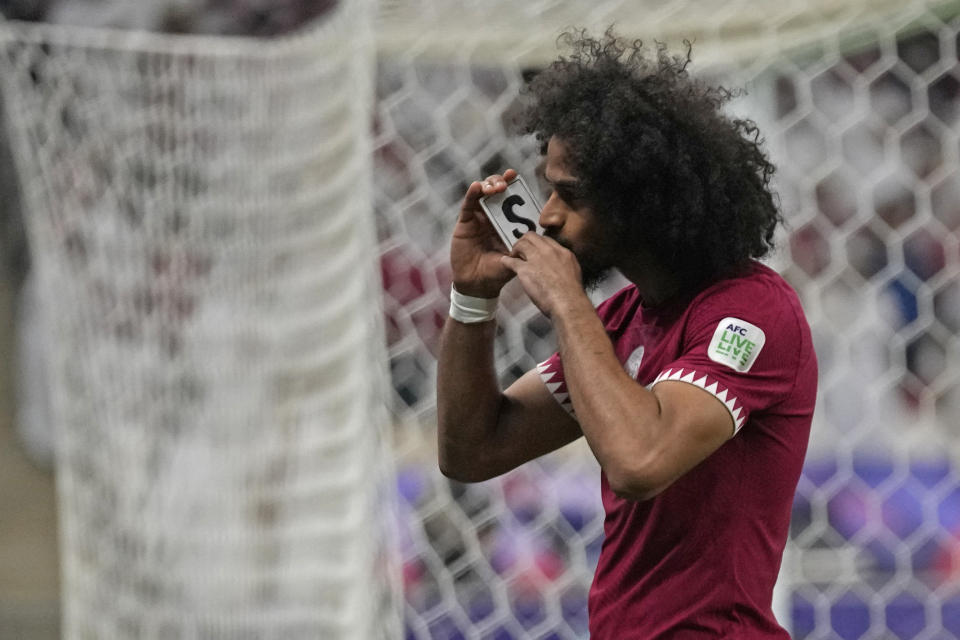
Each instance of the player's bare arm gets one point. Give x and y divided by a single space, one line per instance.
644 440
481 431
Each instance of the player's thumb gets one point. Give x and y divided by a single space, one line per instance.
510 262
471 202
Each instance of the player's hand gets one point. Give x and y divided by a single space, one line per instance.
475 249
549 273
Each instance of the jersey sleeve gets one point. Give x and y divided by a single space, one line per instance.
742 345
551 372
611 312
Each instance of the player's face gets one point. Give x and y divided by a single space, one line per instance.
568 219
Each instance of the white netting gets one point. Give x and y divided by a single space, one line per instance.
195 208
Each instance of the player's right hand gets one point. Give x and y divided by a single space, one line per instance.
475 249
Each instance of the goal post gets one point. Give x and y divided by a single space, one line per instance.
196 207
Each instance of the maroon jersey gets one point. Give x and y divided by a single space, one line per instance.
700 559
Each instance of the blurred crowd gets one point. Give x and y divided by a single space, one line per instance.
262 18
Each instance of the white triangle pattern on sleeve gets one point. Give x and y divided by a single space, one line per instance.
731 402
557 386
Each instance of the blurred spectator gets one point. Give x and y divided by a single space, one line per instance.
226 17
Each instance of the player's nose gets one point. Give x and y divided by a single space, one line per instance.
552 215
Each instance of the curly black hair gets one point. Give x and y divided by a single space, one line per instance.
656 157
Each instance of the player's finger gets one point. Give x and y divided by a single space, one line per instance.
475 190
514 264
532 238
544 243
494 183
521 249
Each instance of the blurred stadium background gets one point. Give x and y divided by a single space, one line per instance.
180 208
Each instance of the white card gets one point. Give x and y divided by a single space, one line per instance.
513 212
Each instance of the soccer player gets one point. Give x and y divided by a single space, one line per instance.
694 386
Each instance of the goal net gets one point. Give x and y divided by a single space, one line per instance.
198 209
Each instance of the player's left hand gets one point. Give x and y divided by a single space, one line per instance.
547 271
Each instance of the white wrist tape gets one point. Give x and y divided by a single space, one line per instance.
469 310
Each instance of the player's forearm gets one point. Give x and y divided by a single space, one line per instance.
468 396
620 419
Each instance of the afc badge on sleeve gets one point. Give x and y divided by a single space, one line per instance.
736 343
